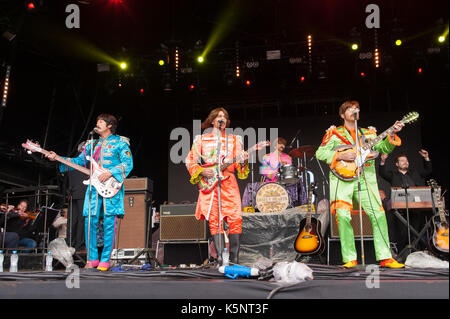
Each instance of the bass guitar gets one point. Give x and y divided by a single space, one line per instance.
348 170
107 189
438 243
206 185
309 241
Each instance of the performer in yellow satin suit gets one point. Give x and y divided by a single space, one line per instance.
205 149
344 193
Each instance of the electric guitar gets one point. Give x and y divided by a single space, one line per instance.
309 240
206 185
348 170
439 240
107 189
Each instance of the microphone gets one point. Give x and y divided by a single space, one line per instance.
356 110
95 130
292 142
221 122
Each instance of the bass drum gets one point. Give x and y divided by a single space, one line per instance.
272 198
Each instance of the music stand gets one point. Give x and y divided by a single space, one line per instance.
44 220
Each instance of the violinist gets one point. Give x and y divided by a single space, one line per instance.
19 221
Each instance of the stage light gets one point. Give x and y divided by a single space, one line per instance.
161 62
177 63
248 83
31 5
6 86
363 74
377 58
200 59
398 42
441 39
419 70
191 87
123 65
238 72
302 79
354 46
141 91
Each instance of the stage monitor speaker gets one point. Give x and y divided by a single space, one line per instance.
132 229
178 222
177 253
367 225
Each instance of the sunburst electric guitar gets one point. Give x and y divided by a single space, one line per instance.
348 170
107 189
206 185
439 240
309 240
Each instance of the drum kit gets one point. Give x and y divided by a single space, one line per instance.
289 189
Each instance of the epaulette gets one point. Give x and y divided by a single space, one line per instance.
125 139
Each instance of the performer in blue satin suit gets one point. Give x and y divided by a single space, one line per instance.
112 152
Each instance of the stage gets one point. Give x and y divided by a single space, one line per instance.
329 282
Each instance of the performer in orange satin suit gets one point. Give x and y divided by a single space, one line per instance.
204 151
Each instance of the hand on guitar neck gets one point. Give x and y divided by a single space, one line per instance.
209 172
102 177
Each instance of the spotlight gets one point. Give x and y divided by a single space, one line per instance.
354 46
441 39
302 79
200 59
6 86
141 91
419 70
161 62
398 42
248 83
362 74
191 87
123 65
31 5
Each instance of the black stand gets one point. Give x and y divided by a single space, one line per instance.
219 191
358 156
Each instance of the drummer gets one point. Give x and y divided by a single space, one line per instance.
273 161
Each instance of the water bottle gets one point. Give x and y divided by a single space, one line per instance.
225 257
2 257
14 262
49 262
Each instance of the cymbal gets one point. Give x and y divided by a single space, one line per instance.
301 151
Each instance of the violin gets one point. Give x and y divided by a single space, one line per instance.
14 212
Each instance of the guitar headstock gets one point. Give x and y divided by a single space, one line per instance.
33 147
433 184
410 117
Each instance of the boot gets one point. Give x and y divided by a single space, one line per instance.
216 239
235 242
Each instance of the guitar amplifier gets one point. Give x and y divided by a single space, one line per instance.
367 225
138 184
178 222
418 197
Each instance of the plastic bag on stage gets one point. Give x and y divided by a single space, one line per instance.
421 259
61 251
291 273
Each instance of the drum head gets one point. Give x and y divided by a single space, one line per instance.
272 198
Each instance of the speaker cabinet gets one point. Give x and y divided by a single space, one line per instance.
132 229
367 225
177 253
178 222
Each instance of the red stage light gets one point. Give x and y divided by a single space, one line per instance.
363 74
31 5
191 87
248 83
142 91
302 79
419 70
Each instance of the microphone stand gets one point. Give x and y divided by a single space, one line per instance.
91 140
358 160
219 190
405 187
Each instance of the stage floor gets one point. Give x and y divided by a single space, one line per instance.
330 282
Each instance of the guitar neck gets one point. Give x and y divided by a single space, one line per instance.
234 160
439 206
380 137
68 163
